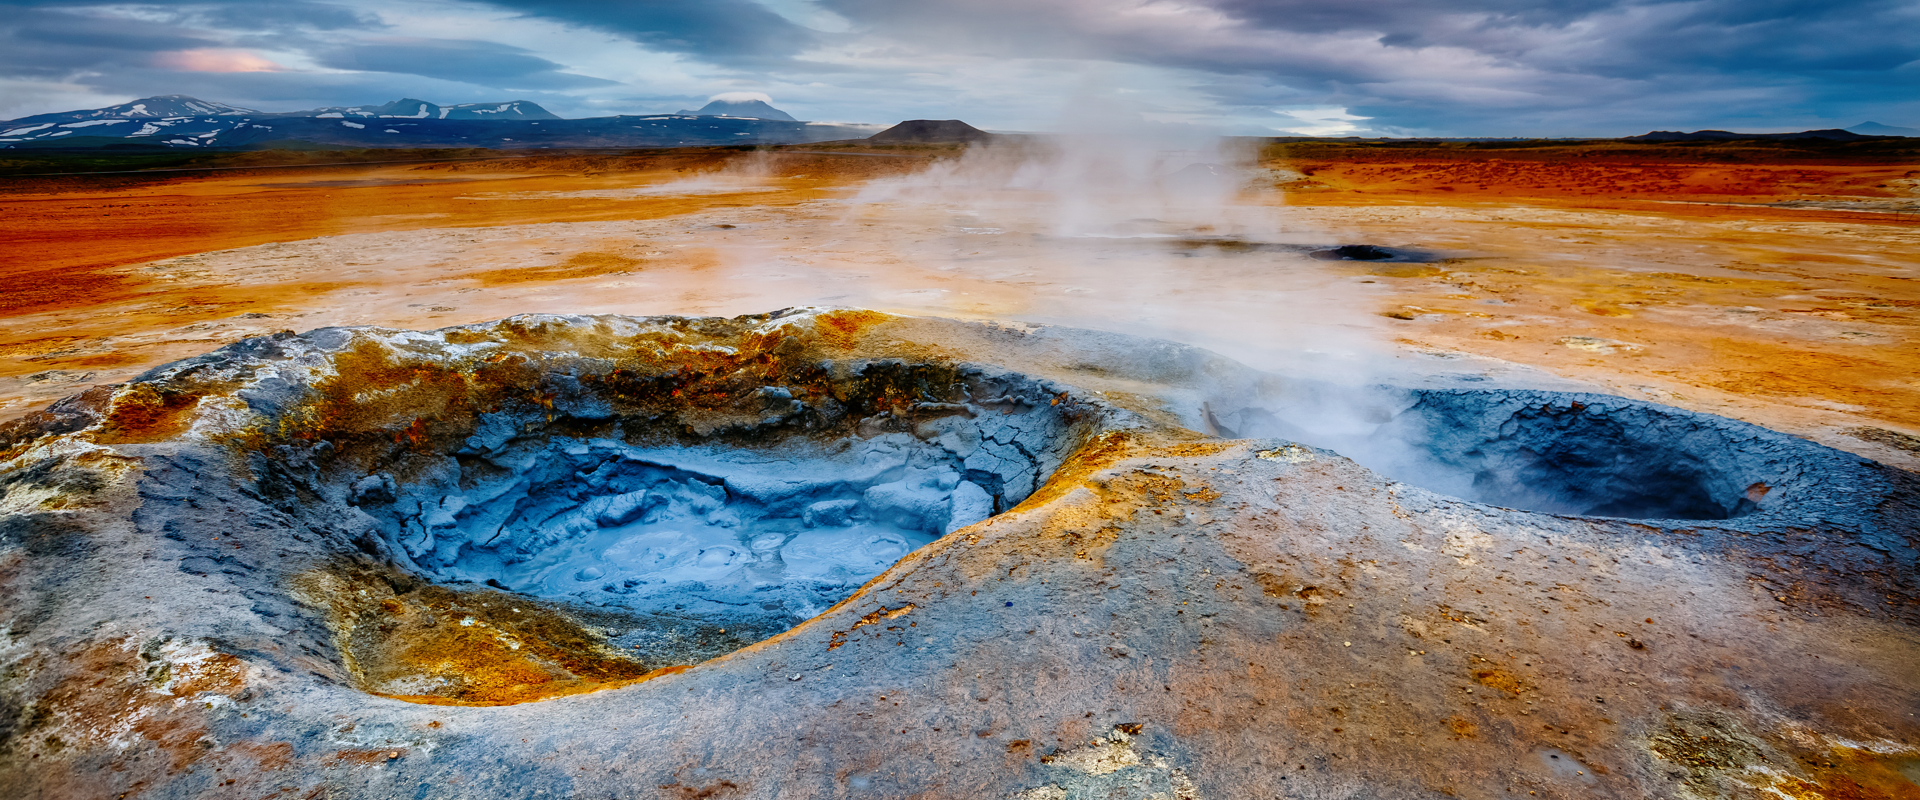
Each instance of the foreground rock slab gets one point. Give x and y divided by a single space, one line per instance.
199 600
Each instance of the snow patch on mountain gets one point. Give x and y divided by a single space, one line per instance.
409 108
172 105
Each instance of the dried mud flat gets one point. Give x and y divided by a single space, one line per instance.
209 590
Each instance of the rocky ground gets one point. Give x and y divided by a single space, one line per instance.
214 585
197 602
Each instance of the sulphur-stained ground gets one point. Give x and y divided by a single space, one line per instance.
1778 287
193 602
1171 615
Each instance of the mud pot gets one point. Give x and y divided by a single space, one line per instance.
1560 452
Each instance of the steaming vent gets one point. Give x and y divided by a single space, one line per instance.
1588 455
1368 252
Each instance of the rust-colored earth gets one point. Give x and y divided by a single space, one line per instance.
1771 285
1786 293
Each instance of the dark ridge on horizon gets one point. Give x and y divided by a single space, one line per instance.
931 131
1876 129
1833 134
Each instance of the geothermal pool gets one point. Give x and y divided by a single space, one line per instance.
689 486
1551 452
696 529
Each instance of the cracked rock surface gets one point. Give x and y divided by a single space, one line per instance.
373 563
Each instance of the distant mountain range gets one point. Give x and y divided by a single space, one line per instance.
169 105
749 109
176 105
1877 129
1865 130
178 121
410 108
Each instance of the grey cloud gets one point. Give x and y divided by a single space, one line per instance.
1459 67
43 40
46 44
101 32
109 53
1409 18
476 62
1467 63
249 16
1708 34
719 30
241 14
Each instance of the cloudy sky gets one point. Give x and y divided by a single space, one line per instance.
1405 67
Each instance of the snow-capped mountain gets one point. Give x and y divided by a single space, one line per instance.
515 124
183 121
134 115
753 108
409 108
163 118
170 105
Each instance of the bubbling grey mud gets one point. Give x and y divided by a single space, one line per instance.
703 483
787 529
507 512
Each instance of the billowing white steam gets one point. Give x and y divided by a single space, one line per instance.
1124 225
1138 182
